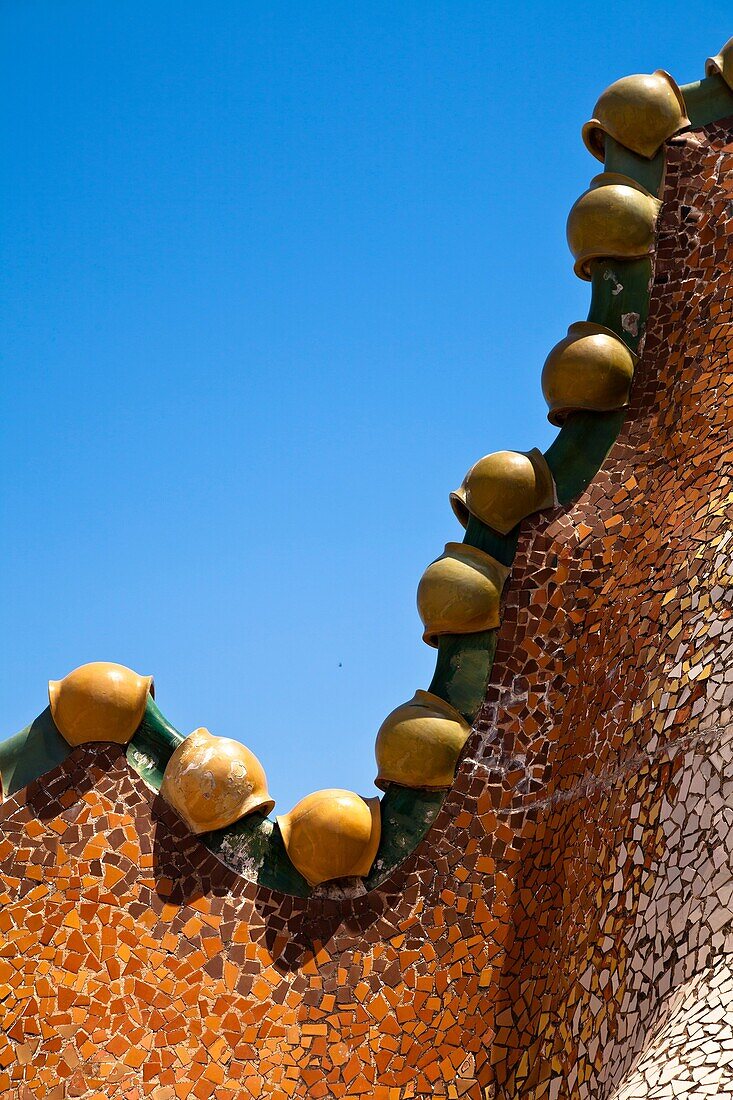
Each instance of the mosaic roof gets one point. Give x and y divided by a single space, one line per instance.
540 903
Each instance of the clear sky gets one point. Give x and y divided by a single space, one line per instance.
274 275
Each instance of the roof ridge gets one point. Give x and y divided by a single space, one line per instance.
587 380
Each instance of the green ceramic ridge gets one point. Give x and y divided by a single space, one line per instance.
254 847
707 101
28 755
152 745
649 173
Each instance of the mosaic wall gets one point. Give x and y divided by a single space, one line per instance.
566 928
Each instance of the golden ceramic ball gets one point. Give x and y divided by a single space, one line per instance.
615 219
211 782
640 112
100 701
504 488
332 834
590 370
419 743
460 592
722 64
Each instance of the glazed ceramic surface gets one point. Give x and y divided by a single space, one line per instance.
212 782
419 743
591 369
504 488
100 701
332 834
640 112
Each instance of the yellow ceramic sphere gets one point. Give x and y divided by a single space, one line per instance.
419 743
99 701
640 112
332 834
211 782
591 369
722 64
460 592
504 488
614 219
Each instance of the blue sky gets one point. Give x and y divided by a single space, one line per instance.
274 276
